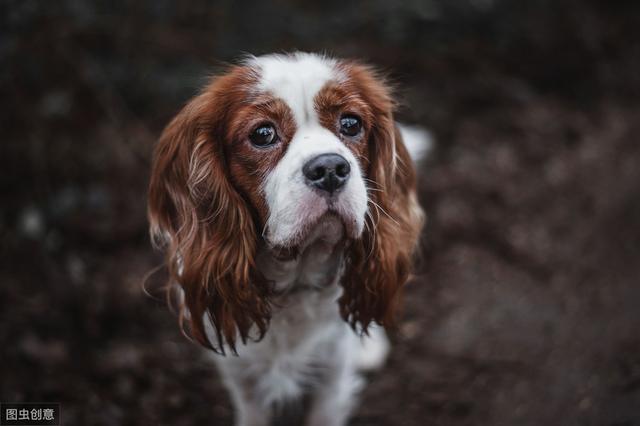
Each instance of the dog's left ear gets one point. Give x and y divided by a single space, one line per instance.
380 262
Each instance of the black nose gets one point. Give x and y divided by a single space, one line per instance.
328 172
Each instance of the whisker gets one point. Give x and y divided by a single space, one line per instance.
366 225
374 189
377 210
383 211
373 182
264 228
372 235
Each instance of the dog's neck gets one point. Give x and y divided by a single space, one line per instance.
314 265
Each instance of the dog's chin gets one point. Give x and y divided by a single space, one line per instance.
328 229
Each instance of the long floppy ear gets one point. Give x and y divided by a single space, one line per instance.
380 262
205 225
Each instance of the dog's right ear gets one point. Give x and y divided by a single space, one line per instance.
204 225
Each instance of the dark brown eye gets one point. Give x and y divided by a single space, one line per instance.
264 135
350 125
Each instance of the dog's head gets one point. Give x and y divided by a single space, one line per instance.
258 159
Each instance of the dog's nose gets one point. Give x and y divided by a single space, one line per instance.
328 172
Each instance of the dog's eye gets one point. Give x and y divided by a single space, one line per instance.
350 125
264 135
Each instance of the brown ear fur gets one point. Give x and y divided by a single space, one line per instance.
204 224
380 262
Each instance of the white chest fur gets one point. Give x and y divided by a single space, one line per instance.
308 348
305 329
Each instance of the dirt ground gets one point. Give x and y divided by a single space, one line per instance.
525 309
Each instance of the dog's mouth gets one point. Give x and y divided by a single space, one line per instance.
327 230
311 217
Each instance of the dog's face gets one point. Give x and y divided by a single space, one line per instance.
298 145
258 159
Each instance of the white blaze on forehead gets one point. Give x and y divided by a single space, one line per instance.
296 79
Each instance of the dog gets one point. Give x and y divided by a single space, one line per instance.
285 200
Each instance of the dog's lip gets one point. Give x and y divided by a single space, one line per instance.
292 248
284 254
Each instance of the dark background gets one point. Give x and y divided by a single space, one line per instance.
526 308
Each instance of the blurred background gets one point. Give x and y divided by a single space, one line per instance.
526 305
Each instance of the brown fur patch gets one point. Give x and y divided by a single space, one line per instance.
206 209
337 99
378 264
